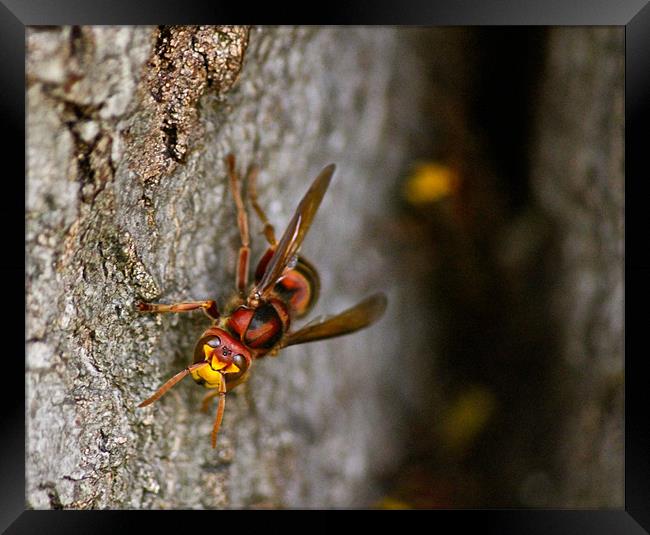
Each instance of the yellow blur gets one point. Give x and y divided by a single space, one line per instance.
467 417
391 503
430 182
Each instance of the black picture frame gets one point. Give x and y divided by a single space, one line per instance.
634 15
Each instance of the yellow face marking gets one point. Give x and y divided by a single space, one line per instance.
216 364
231 369
212 378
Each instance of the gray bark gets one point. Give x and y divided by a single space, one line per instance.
127 200
579 181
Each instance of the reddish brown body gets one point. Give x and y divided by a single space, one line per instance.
299 286
259 322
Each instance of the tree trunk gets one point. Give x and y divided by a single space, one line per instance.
128 200
578 174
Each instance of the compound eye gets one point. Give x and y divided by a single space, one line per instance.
214 342
239 361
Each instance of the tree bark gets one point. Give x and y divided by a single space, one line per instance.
128 200
578 174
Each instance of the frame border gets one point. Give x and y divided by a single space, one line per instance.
15 15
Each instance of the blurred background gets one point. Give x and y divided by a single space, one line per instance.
513 224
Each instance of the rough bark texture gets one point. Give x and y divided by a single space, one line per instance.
127 200
579 180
